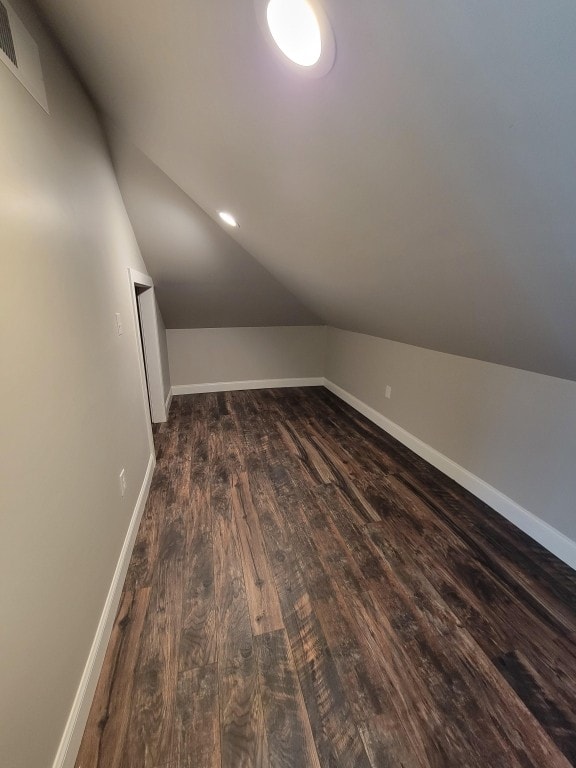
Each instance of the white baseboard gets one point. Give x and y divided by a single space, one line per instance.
70 742
231 386
550 538
168 401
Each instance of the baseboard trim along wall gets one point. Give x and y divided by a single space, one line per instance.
168 402
551 539
232 386
70 742
554 541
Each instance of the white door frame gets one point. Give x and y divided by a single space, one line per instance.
152 386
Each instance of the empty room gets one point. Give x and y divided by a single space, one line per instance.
288 384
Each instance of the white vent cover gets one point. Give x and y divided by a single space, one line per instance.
19 53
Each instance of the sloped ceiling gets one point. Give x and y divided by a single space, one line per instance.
203 278
424 190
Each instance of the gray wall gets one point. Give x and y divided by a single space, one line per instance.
513 429
209 355
72 408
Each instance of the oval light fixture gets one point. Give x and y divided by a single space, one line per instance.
299 33
295 29
228 218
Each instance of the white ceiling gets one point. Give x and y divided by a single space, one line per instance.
424 190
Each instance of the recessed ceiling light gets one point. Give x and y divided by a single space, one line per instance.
228 219
295 29
299 33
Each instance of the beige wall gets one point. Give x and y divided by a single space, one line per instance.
513 429
72 410
209 355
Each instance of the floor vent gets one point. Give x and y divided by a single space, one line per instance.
6 39
19 52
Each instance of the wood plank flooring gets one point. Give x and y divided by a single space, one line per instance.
305 591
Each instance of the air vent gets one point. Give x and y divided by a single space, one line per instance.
19 52
6 39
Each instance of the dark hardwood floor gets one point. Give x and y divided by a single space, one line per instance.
305 591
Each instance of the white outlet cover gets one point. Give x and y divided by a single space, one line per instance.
388 391
119 324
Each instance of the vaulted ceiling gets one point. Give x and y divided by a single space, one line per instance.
424 190
203 278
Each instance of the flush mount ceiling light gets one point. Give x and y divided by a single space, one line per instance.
295 29
228 219
299 33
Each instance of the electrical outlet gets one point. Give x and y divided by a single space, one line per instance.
388 391
123 482
119 324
